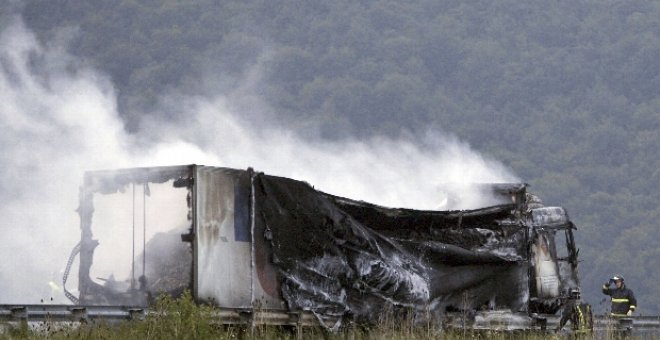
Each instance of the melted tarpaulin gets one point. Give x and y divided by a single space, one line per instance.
339 257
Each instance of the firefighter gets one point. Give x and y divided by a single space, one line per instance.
577 312
623 299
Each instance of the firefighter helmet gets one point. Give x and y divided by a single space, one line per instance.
617 278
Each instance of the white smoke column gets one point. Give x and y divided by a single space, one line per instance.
53 121
393 172
59 118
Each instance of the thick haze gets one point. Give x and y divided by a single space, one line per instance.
565 93
59 118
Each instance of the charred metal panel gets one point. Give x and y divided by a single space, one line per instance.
548 217
232 269
222 241
545 266
342 257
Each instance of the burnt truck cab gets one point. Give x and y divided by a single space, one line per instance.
243 240
550 244
554 259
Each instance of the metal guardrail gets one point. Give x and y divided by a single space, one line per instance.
638 326
74 313
71 313
507 321
492 320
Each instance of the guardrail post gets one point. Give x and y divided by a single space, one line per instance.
136 314
299 325
79 314
19 313
626 325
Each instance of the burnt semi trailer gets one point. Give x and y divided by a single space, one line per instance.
244 240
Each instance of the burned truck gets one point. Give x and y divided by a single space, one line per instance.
245 241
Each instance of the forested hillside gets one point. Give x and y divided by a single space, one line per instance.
566 93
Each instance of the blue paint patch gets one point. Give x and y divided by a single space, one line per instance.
242 232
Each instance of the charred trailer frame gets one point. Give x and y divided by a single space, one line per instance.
218 262
252 241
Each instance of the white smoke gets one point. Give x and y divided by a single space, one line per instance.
59 118
396 172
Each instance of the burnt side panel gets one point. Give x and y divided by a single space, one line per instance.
338 257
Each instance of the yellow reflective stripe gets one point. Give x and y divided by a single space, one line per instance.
632 307
581 323
617 314
580 316
620 300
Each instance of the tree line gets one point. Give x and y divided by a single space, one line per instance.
563 92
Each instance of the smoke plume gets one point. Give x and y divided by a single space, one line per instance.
59 118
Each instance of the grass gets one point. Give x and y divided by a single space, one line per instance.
182 318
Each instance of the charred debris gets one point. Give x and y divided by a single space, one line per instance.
241 239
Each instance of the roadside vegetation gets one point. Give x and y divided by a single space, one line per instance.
182 318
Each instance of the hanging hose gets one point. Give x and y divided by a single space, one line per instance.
133 254
74 252
145 190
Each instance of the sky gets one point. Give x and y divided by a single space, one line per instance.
59 118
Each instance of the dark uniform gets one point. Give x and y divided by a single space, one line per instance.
623 299
579 314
